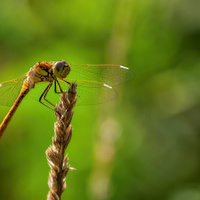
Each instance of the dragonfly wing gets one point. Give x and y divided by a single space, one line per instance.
90 92
108 74
10 90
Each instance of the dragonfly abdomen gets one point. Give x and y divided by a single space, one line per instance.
10 114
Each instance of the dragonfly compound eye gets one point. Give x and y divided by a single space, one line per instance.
61 69
59 66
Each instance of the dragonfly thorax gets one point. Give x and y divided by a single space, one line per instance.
40 72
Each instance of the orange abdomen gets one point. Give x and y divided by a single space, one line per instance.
10 114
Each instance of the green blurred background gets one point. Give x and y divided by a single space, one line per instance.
143 146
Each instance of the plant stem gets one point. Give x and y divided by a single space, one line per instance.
56 152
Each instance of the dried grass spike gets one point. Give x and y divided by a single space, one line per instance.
55 153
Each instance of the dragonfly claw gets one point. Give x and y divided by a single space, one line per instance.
57 113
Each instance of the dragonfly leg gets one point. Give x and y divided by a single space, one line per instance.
55 88
44 95
65 81
59 87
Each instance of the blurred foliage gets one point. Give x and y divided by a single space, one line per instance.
156 151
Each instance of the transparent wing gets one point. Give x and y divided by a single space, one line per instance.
95 82
109 74
90 93
10 90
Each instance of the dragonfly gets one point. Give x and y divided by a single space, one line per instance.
88 77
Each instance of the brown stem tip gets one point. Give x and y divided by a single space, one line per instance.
56 152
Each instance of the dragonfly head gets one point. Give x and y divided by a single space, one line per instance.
61 69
